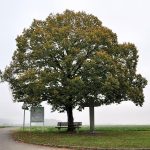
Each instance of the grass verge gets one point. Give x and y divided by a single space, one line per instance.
104 137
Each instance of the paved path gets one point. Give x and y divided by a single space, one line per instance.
7 143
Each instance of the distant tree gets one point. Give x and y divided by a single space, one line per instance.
0 75
70 60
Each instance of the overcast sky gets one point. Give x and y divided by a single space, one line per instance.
129 19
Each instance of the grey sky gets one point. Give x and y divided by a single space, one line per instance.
128 18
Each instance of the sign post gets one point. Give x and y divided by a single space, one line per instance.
24 107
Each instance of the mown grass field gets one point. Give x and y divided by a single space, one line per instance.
104 137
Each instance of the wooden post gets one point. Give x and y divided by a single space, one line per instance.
91 113
24 120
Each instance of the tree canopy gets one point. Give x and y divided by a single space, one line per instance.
70 60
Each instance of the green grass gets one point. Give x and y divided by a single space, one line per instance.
104 137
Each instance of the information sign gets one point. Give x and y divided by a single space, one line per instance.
37 114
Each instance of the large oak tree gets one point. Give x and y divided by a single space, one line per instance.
71 60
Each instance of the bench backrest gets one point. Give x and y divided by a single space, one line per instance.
66 124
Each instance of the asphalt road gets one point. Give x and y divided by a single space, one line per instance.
7 143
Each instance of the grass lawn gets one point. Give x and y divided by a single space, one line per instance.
104 137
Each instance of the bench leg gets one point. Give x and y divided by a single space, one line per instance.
58 129
77 130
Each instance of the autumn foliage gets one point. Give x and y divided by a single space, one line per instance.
71 60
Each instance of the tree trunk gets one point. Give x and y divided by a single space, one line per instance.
70 119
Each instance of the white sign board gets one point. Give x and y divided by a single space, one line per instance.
37 114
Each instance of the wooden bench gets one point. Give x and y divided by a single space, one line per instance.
76 125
